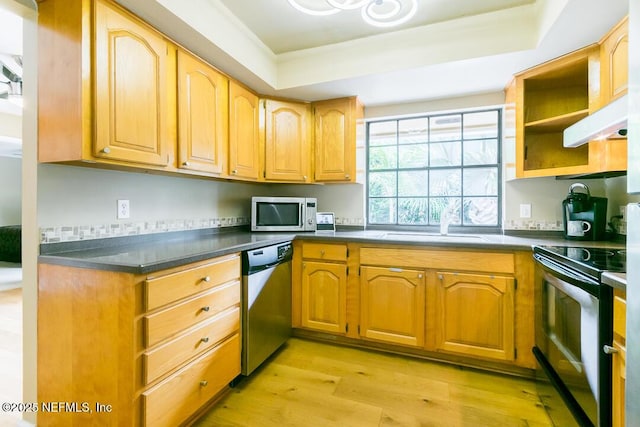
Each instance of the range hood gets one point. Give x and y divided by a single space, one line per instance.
609 122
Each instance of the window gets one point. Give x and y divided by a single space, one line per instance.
422 169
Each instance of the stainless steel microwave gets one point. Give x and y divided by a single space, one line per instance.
283 213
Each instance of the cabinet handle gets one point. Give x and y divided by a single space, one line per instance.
609 350
206 279
440 276
347 176
321 252
420 276
304 177
206 308
106 150
205 339
204 383
235 171
186 164
395 270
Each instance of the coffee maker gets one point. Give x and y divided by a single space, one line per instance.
585 216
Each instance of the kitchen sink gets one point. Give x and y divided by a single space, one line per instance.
432 237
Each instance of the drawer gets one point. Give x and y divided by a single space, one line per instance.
169 321
202 337
324 251
175 399
439 259
162 290
620 313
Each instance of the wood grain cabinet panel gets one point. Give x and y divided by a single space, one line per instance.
96 334
174 400
392 305
614 62
203 116
244 133
324 296
619 358
162 289
336 123
163 324
108 95
203 336
131 72
287 141
475 315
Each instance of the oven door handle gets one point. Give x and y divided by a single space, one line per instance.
565 274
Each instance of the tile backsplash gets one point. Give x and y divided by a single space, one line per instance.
101 231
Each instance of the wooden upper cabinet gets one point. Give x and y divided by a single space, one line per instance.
203 116
106 87
549 98
336 123
131 102
614 62
287 141
244 132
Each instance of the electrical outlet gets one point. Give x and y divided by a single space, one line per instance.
123 209
525 210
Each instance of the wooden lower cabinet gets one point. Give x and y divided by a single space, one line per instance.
475 315
619 359
457 304
192 386
392 305
155 348
324 287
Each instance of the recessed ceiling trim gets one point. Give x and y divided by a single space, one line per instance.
488 34
217 24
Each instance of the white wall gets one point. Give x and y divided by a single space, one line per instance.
70 195
10 191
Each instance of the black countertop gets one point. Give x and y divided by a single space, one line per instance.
149 253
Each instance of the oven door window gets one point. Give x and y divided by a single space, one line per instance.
570 325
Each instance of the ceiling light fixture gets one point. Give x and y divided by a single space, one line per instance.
379 13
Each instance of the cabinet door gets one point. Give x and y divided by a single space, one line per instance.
203 116
244 132
475 315
614 63
392 305
131 101
324 296
287 141
619 359
335 140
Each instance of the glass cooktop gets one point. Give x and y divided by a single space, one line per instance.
592 261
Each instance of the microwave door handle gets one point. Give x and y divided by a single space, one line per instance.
301 216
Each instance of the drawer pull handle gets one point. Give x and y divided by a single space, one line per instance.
206 279
205 339
106 150
206 308
321 252
204 383
609 350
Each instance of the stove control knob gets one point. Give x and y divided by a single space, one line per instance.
609 350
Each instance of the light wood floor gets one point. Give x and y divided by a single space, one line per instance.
316 384
10 352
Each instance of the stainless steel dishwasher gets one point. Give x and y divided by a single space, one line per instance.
266 303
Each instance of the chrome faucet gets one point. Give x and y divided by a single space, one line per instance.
445 220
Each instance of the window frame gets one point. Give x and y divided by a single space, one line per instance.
435 227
